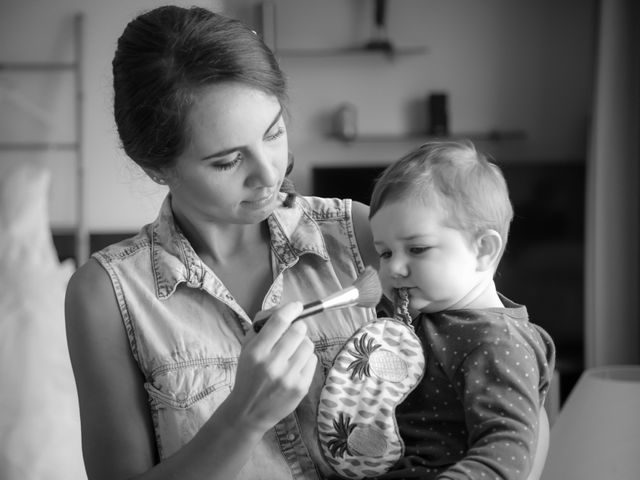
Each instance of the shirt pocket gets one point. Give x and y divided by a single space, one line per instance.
183 395
326 350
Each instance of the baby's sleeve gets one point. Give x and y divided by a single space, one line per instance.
498 383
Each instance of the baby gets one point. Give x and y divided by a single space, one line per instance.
440 219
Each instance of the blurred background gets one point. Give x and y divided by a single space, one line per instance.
548 88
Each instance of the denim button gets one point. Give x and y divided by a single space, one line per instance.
291 437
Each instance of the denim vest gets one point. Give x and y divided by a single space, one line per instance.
185 328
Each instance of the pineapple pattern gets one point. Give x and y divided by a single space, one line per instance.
374 371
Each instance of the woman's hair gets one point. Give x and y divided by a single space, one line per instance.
164 58
457 178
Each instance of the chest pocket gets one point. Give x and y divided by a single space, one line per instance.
184 395
327 350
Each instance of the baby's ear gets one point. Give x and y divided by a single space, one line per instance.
489 245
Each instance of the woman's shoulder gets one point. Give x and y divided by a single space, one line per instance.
360 215
331 206
357 213
127 244
91 308
89 287
323 207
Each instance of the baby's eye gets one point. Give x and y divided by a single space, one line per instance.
384 254
418 250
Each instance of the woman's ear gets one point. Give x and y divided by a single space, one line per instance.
489 245
155 176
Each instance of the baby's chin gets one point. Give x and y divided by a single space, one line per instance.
419 304
422 305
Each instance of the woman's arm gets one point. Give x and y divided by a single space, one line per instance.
117 434
360 214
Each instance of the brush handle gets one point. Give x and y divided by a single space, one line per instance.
343 298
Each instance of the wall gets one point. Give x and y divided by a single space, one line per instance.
505 65
118 196
612 260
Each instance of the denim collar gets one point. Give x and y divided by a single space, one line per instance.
293 230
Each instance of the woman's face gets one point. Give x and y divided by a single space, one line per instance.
234 164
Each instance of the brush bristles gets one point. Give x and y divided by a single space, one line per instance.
369 288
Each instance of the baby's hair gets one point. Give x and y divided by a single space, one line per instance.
457 178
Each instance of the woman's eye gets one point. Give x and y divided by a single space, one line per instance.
276 134
228 165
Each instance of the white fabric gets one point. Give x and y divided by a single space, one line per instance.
39 420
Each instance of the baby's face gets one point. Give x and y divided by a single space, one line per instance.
436 264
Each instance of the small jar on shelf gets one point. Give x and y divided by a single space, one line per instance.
346 122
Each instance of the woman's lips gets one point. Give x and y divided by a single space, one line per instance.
261 202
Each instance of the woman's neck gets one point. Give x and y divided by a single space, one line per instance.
239 255
221 243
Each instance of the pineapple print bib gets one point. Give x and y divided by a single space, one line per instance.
373 372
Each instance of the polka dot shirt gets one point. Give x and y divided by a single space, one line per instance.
475 413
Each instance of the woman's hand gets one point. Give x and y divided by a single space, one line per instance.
275 369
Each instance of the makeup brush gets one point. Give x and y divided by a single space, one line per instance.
365 292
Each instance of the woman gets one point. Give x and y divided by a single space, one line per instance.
172 380
199 105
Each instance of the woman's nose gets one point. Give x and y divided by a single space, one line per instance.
264 171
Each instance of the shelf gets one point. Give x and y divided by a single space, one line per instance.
379 45
38 146
36 67
490 136
351 51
